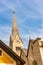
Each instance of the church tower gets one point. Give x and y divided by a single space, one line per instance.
16 43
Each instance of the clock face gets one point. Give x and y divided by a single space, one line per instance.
17 38
17 41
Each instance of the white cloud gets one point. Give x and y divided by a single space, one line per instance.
11 5
5 34
30 9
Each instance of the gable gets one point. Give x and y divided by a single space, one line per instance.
18 40
17 45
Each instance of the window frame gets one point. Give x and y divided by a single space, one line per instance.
18 48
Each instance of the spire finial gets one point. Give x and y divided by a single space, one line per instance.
14 12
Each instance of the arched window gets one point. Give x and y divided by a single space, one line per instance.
34 62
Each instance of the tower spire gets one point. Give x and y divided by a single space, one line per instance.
15 41
14 25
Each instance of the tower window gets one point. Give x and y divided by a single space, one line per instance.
17 41
18 48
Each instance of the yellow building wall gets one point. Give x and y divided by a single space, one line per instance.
6 59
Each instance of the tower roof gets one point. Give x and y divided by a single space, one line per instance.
14 25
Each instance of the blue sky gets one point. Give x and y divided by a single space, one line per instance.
29 16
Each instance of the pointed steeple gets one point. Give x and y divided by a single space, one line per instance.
15 41
14 25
